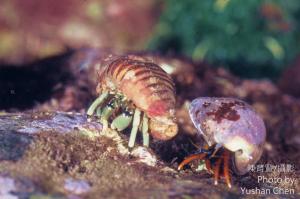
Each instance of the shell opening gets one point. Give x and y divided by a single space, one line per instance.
245 154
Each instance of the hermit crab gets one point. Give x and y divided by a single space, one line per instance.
138 93
232 131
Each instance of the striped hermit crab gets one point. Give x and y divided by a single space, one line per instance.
232 131
135 91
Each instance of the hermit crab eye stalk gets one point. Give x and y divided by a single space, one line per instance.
138 94
233 127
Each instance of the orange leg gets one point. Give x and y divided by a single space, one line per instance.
208 165
217 170
207 162
191 158
226 168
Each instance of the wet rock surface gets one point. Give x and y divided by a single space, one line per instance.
47 153
16 187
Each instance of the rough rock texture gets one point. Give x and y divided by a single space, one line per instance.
45 153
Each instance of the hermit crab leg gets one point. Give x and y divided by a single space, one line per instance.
208 165
135 125
96 103
108 110
99 111
207 160
145 129
191 158
226 168
217 170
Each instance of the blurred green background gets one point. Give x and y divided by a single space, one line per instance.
253 38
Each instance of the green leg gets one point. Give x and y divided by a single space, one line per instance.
145 129
135 125
99 111
107 111
96 103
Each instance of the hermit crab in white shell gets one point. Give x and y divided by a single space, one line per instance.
136 93
232 131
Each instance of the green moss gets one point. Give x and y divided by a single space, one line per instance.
52 158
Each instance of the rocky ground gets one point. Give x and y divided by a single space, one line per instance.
49 149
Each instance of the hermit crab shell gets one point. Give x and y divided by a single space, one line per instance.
148 86
233 124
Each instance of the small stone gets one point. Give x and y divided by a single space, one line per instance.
16 188
7 186
77 186
144 155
